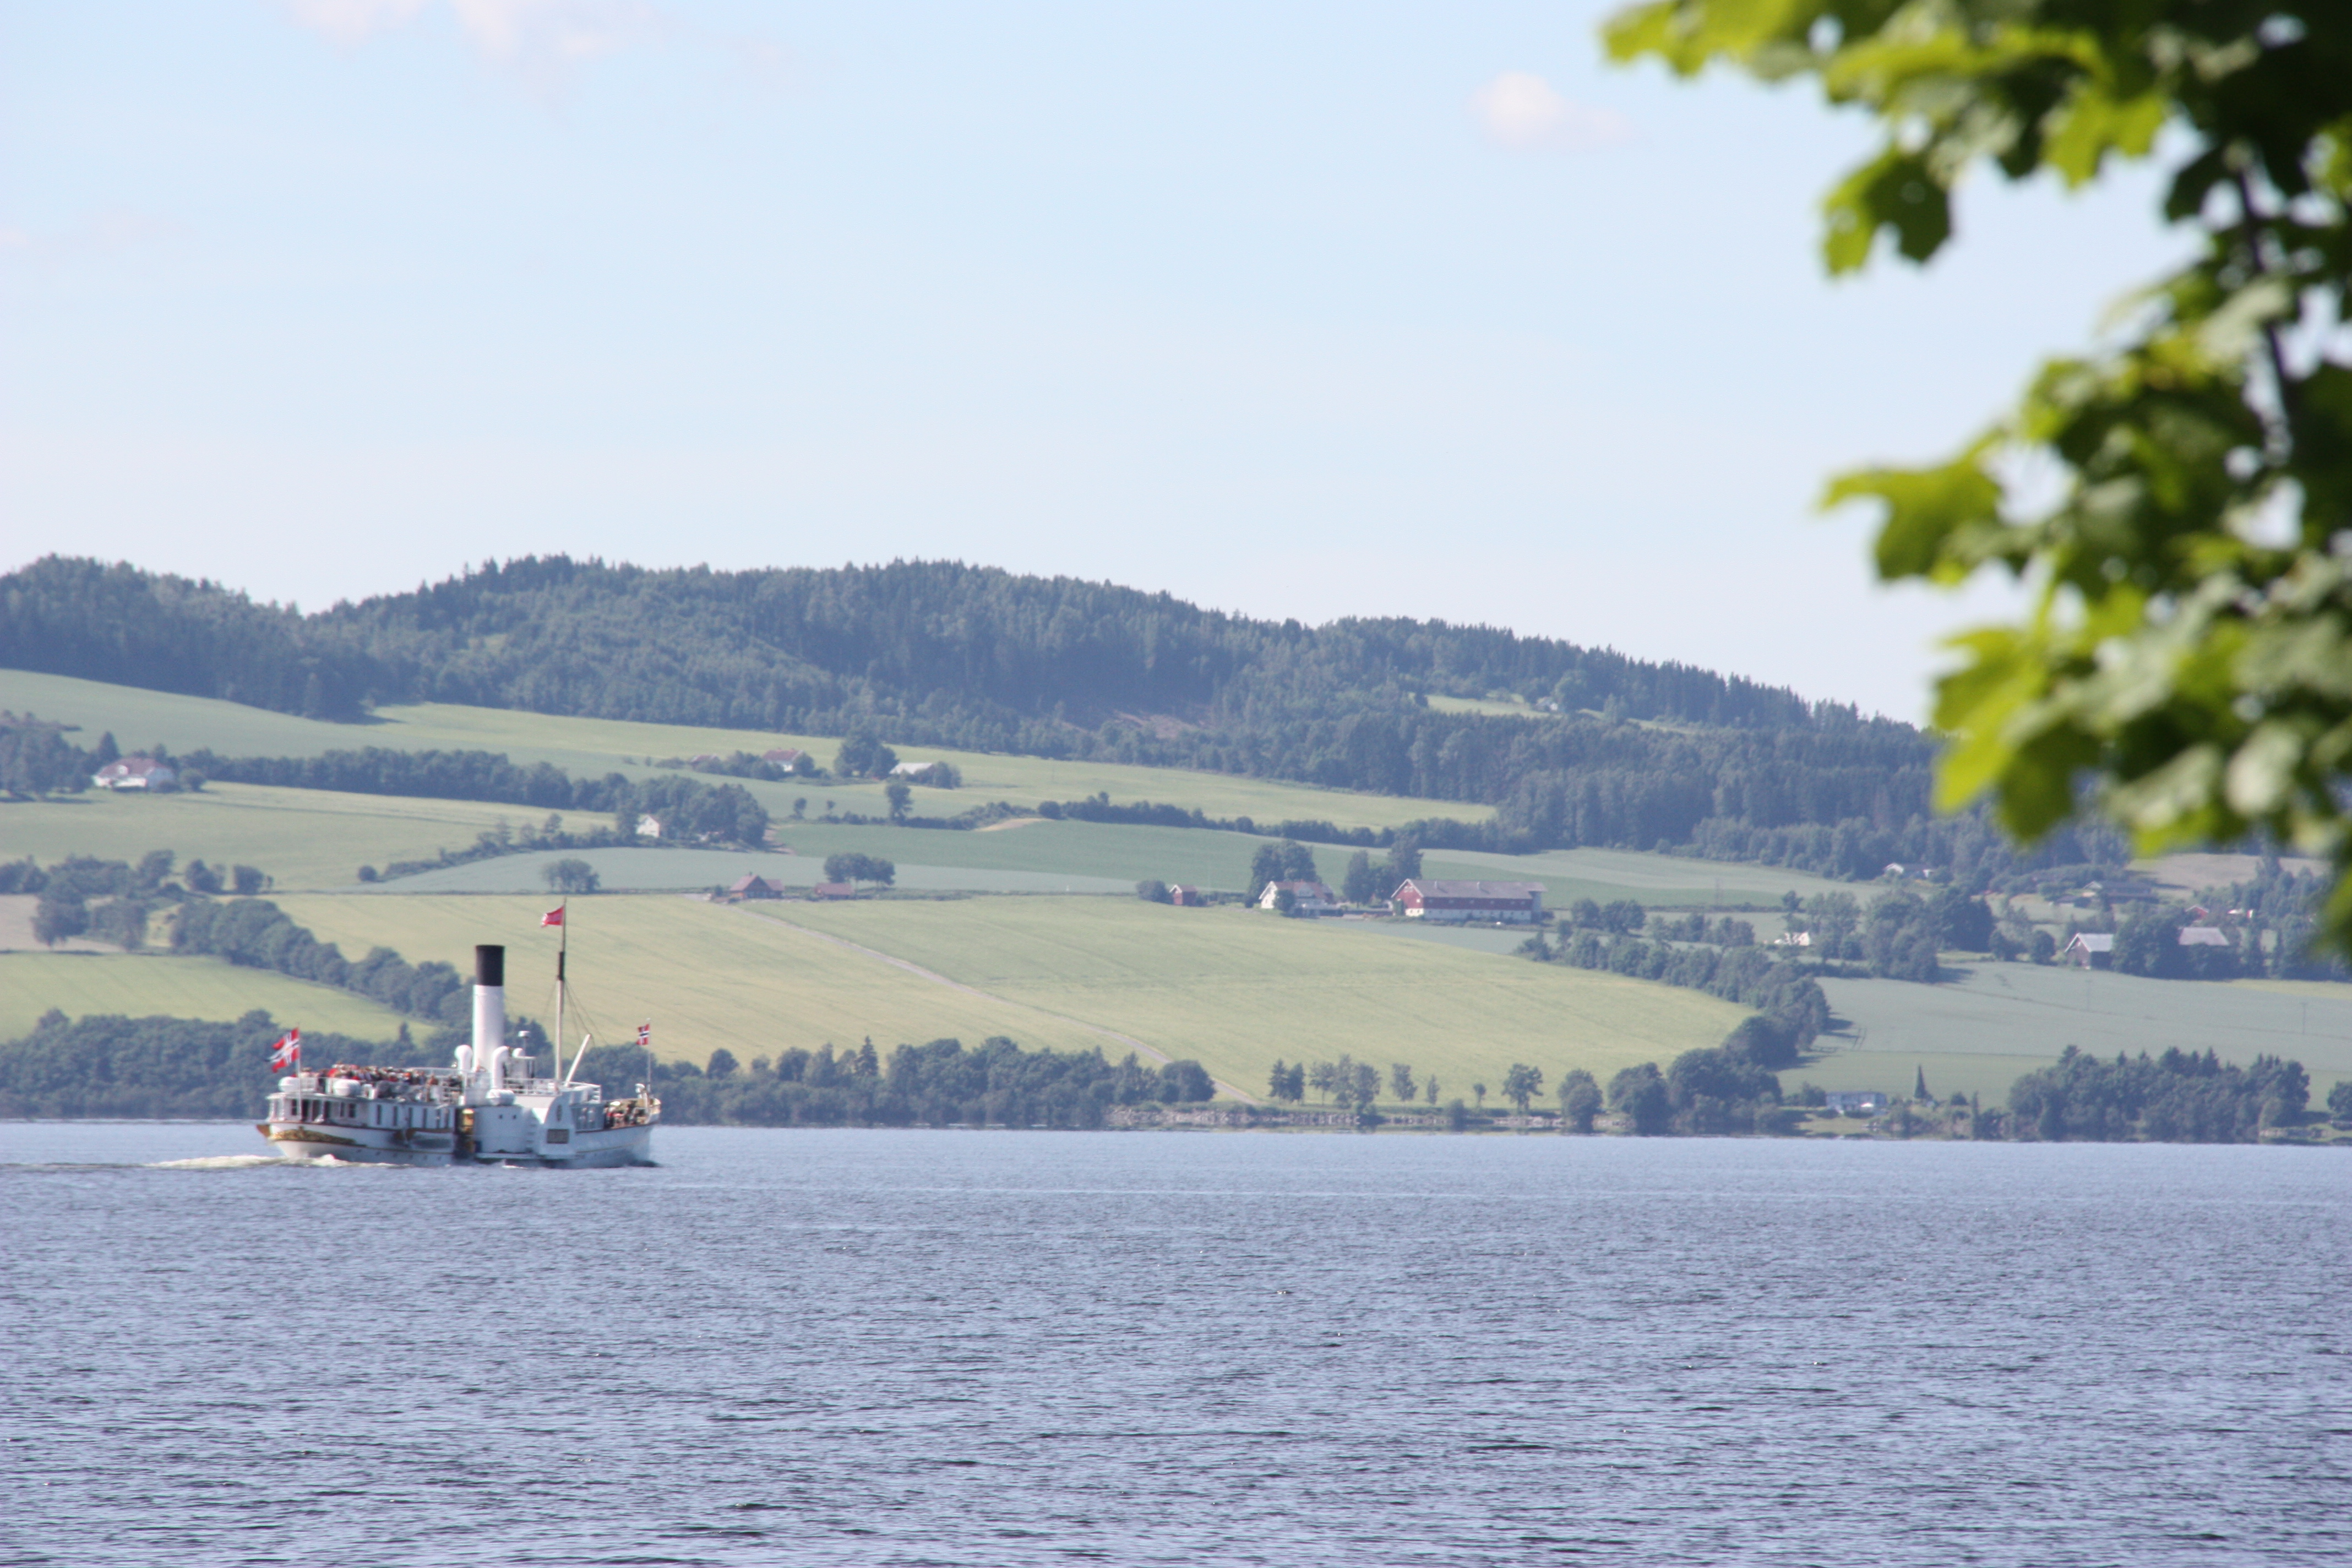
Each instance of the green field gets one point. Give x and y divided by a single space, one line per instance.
1231 988
1977 1034
144 985
304 839
697 870
1656 881
317 839
594 747
1237 989
1031 856
705 976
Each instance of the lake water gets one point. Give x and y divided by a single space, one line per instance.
1018 1348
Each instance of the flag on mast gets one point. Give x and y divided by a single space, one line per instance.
553 917
645 1037
287 1054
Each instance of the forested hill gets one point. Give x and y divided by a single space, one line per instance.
936 650
934 653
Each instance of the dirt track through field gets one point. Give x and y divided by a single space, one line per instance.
916 970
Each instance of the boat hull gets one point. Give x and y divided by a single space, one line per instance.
386 1146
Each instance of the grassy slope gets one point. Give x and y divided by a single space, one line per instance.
319 839
705 976
305 838
82 983
597 746
1977 1034
1657 882
696 870
1031 857
1237 989
1234 989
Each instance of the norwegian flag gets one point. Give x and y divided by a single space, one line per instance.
645 1037
553 917
287 1054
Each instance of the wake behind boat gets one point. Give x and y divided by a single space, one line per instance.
491 1106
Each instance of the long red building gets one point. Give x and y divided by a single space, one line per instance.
1511 902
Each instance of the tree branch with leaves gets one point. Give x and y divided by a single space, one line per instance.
2185 663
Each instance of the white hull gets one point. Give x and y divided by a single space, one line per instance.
375 1146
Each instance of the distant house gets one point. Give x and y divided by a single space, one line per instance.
1855 1102
1793 938
134 772
700 759
1191 898
914 772
650 827
1501 902
1308 897
755 887
2091 950
784 756
833 890
2204 936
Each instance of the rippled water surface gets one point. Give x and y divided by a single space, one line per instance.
1021 1348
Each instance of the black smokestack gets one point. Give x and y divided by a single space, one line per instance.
490 966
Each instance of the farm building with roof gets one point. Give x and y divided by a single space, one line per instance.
1513 903
134 772
2092 950
1306 897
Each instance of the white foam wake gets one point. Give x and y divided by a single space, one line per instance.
219 1162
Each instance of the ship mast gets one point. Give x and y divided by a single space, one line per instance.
562 946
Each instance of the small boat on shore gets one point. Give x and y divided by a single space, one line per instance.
491 1106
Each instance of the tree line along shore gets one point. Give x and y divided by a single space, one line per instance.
162 1066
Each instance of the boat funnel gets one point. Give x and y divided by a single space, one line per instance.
490 1007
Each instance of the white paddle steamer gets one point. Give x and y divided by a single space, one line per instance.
491 1106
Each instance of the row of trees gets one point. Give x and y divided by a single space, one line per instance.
258 934
1899 933
36 758
2177 1097
1719 1090
2180 1097
687 809
114 900
939 1084
1729 1088
1792 1010
852 868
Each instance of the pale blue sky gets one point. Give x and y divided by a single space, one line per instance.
1295 310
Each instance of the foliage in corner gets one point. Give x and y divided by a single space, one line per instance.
2189 650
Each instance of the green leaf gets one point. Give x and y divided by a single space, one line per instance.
1895 190
1925 509
2091 123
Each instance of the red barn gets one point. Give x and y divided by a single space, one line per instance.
1501 902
